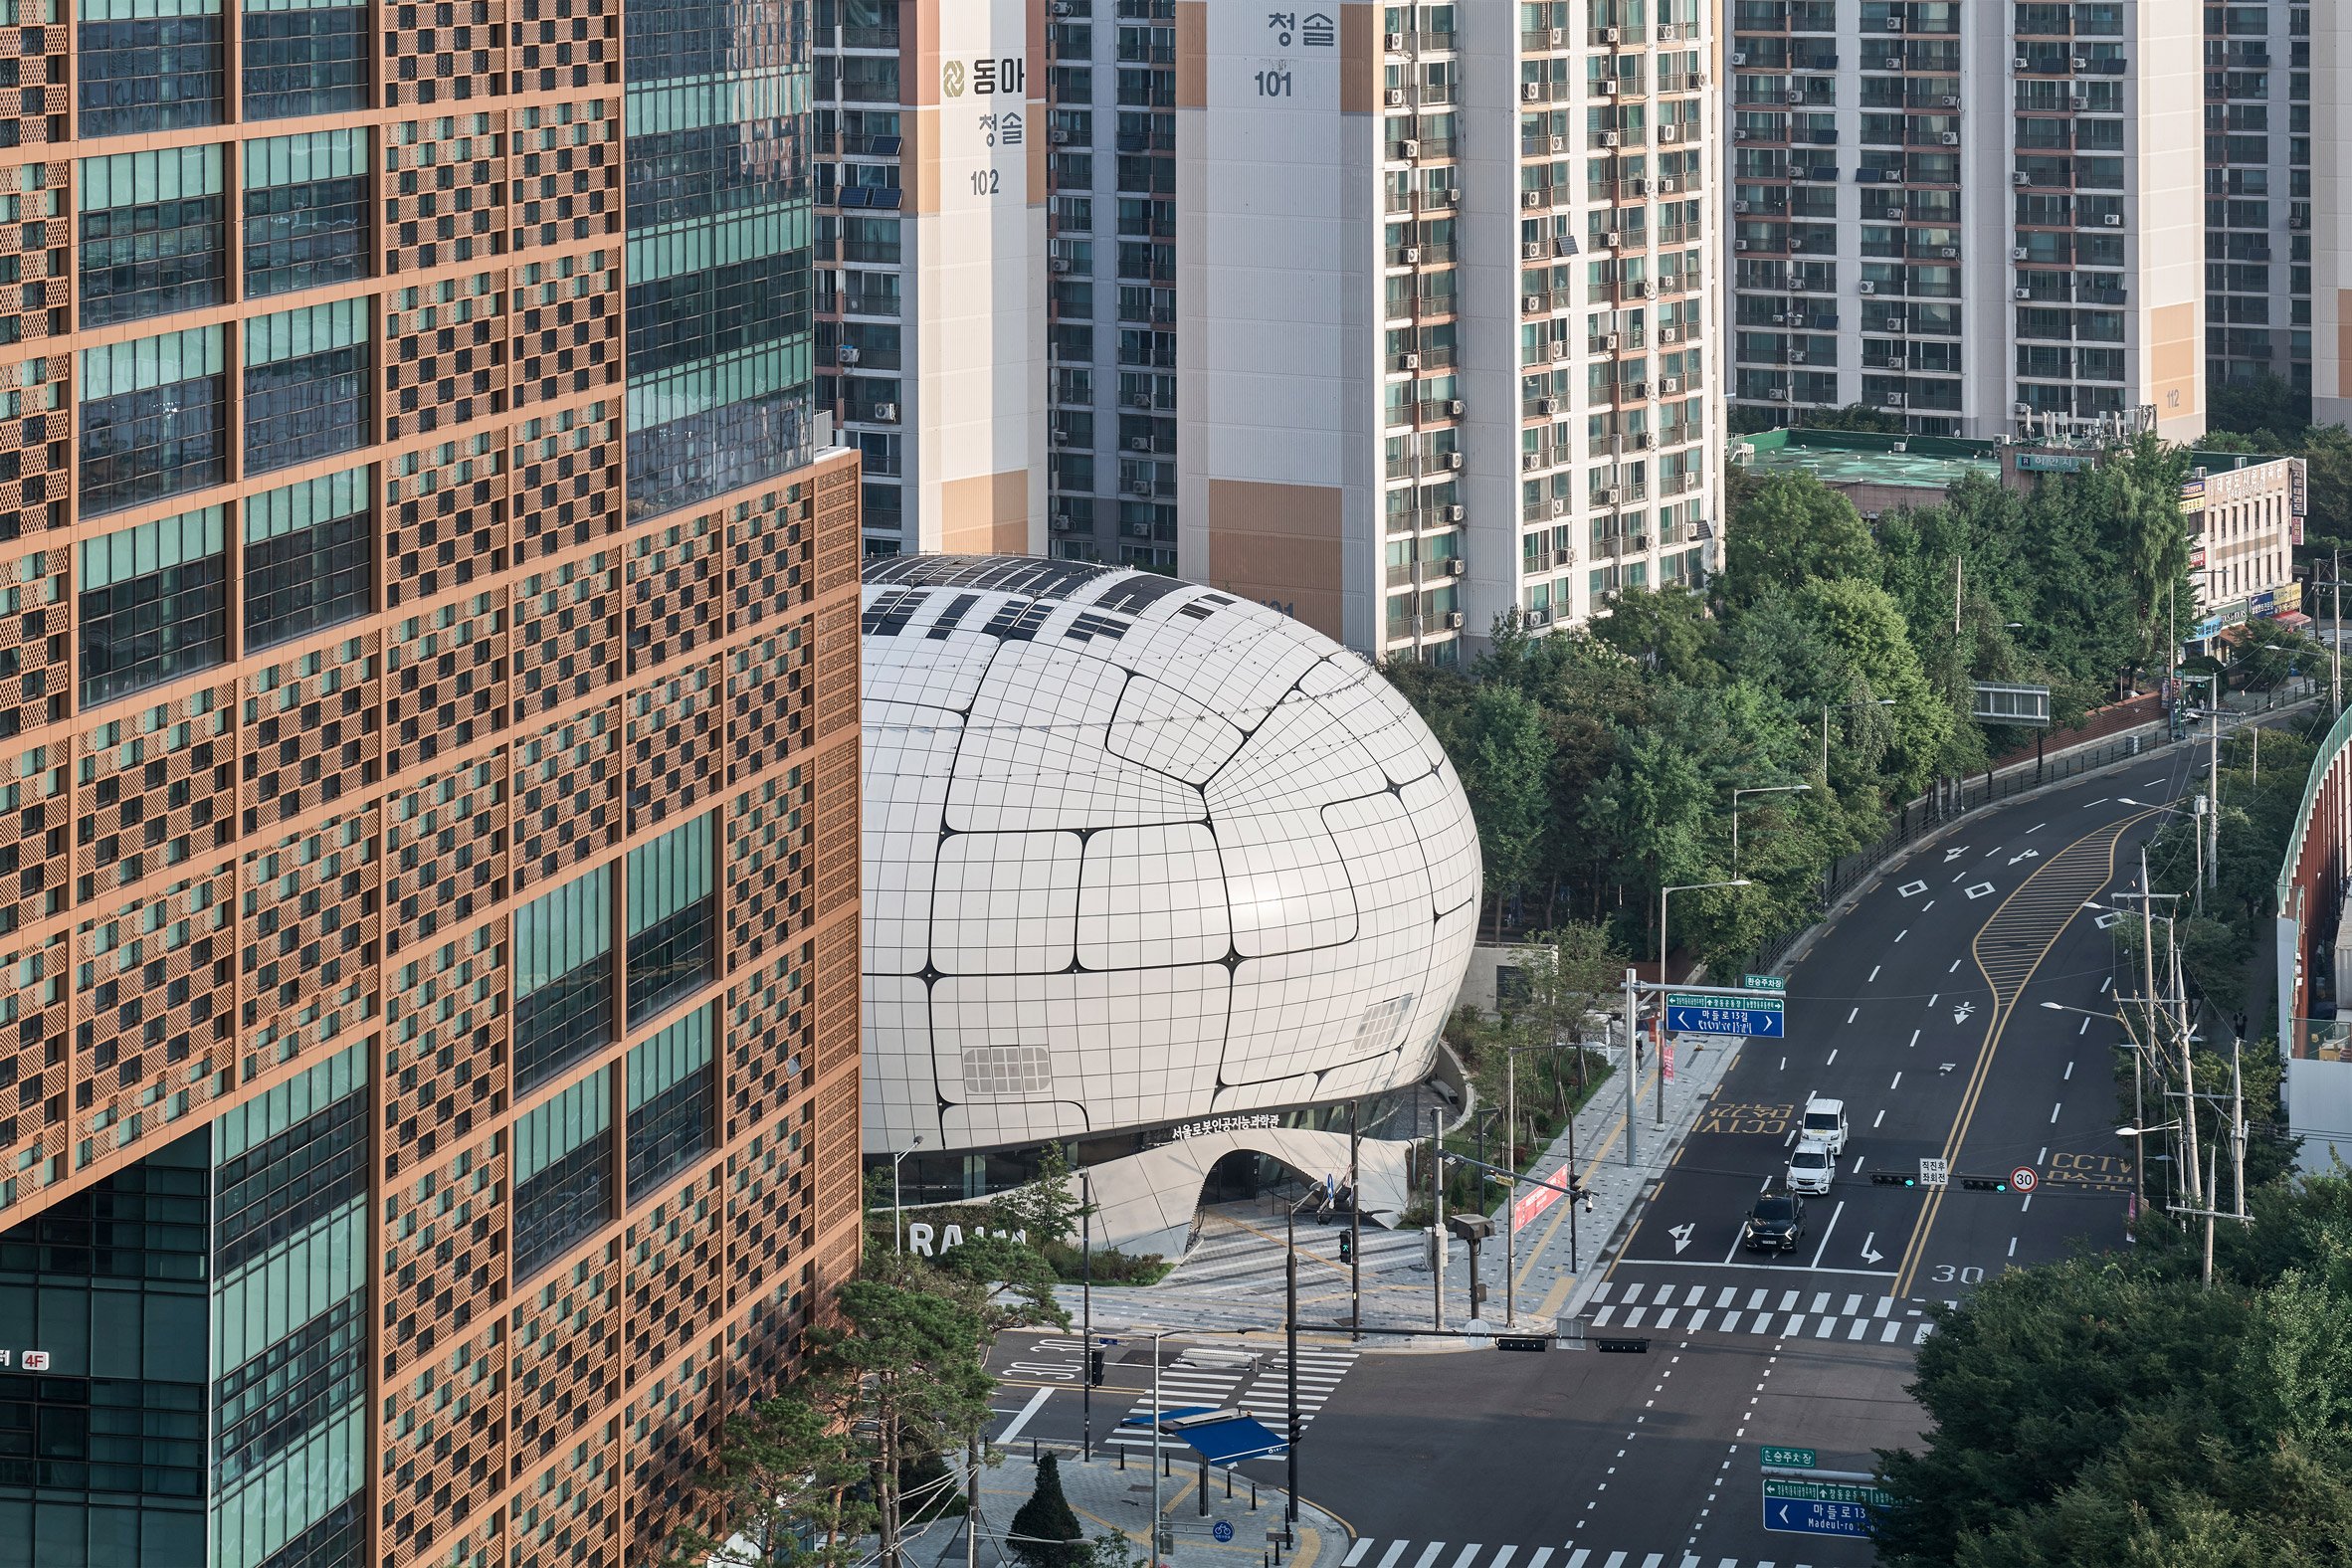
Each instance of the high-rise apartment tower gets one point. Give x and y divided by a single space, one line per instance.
428 775
2257 192
1446 305
1984 217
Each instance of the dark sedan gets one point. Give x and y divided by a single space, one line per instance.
1775 1223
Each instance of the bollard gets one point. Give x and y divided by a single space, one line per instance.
1122 1458
1253 1494
1229 1480
1033 1451
1204 1486
1167 1462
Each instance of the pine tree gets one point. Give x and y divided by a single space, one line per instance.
1046 1532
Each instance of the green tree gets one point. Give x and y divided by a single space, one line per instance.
789 1479
1568 972
1794 530
1862 621
1045 1530
1504 775
2267 407
1045 1211
908 1365
1664 630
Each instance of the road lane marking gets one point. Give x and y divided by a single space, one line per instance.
1036 1403
1874 980
1996 1019
2054 1113
2070 1078
1898 936
1955 969
1931 996
1833 1061
1850 1017
1891 1088
1882 1117
1929 905
2013 1247
1826 1231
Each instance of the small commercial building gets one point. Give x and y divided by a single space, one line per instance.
2245 518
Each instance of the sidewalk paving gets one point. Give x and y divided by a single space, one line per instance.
1108 1499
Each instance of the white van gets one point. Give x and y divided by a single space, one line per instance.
1825 1122
1811 1167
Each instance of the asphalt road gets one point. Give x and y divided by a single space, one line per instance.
1922 1010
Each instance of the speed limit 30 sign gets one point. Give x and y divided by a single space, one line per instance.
2023 1179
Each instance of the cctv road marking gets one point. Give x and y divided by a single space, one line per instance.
1981 891
1912 889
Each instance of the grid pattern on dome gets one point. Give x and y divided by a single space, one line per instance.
1137 852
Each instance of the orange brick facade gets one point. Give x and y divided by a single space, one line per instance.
210 886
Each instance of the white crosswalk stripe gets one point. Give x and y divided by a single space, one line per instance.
1369 1552
1847 1317
1262 1390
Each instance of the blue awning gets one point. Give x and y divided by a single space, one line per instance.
1220 1435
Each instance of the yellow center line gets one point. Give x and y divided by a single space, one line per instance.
2002 1010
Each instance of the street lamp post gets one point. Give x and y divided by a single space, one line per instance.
1760 789
1663 894
2213 772
897 1221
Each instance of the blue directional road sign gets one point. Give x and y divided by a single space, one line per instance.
1754 1016
1798 1507
1222 1530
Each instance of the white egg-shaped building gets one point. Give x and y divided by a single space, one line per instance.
1139 853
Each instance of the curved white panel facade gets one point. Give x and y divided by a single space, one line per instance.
1138 852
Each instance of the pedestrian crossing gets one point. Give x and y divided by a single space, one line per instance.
1371 1553
1257 1385
1842 1317
1242 1262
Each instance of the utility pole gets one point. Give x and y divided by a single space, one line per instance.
2336 641
1437 1224
2213 862
1086 1347
1511 1189
1290 1357
1355 1227
1632 1069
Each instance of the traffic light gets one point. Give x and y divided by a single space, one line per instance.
1985 1183
1093 1369
1893 1179
1347 1247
